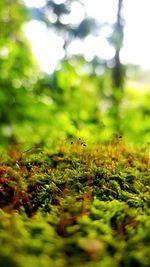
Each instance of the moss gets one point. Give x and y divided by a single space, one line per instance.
81 205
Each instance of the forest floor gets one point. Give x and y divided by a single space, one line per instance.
82 205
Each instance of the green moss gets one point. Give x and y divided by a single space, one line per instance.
82 205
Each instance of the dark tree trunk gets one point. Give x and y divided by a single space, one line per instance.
118 72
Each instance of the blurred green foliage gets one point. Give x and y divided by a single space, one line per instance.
18 68
77 100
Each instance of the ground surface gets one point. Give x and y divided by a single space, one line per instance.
78 206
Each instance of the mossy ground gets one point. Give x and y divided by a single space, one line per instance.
80 206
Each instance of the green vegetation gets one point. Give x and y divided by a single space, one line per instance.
80 205
18 70
80 99
74 151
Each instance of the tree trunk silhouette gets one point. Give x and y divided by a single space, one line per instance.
118 72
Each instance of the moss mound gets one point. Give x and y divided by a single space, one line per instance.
80 206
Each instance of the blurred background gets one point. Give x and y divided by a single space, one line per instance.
74 68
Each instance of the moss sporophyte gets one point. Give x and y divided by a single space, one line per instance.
81 205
